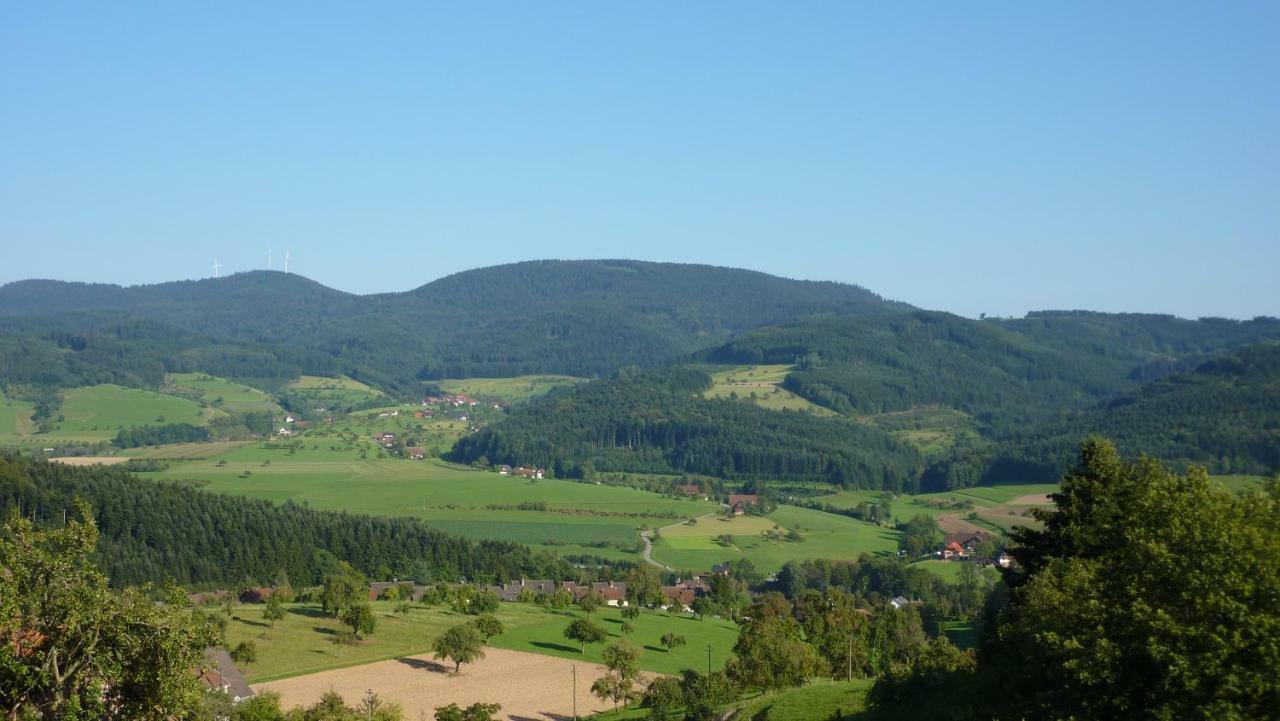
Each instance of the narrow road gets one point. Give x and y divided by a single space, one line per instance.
648 544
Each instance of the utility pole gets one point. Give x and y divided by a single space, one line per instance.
575 692
849 658
708 659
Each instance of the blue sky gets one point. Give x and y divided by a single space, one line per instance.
973 157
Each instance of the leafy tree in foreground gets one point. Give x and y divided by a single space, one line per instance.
771 652
245 652
460 644
1147 595
73 649
584 632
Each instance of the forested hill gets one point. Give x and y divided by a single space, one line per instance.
658 422
1224 415
152 531
1004 373
575 317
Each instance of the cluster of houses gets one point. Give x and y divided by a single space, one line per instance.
291 425
740 502
961 546
522 472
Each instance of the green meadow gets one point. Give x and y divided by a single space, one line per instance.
321 392
15 419
220 393
96 413
326 473
817 701
510 390
762 385
303 641
822 535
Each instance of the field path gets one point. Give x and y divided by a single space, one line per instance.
648 544
530 687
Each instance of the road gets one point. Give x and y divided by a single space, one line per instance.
648 544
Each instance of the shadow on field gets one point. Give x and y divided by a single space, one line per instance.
309 612
324 630
247 622
659 649
555 647
423 664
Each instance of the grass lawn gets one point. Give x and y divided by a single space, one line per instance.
328 474
547 637
331 393
220 392
950 570
302 642
1240 483
15 419
819 701
511 390
964 634
761 384
826 535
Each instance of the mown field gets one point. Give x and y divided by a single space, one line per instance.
97 413
510 390
220 393
327 474
818 701
304 641
761 385
330 393
824 535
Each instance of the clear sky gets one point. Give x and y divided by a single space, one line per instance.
976 157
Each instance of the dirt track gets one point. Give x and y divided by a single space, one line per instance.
90 460
529 686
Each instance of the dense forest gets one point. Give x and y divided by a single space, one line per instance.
151 531
574 317
657 421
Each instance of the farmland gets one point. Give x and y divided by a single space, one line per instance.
327 473
510 390
96 413
331 393
220 393
303 642
822 535
761 385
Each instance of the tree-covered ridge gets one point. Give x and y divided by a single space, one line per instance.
151 531
1004 373
657 421
572 317
1224 415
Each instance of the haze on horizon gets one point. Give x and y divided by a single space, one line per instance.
977 159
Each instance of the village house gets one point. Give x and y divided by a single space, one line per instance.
691 489
285 432
504 470
415 453
740 502
217 672
614 592
526 472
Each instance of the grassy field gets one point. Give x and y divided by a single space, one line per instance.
825 535
934 431
185 451
219 393
96 413
950 570
905 506
819 701
510 390
302 642
328 474
15 418
762 385
332 393
547 637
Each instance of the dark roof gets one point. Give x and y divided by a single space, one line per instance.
219 672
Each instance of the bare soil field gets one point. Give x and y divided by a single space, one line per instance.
90 460
953 523
530 687
1035 499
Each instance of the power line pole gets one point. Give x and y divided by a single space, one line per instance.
575 692
708 659
849 658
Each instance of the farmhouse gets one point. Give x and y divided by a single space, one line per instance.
615 593
526 472
415 453
691 489
967 541
953 551
284 432
217 672
504 470
740 502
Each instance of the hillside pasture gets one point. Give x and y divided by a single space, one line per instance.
508 390
330 474
817 701
15 419
762 385
97 413
220 393
332 393
824 535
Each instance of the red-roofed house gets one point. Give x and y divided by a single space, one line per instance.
740 502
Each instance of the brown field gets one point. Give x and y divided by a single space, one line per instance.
90 460
530 687
1035 499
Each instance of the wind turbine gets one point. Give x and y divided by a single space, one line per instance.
216 267
286 261
268 259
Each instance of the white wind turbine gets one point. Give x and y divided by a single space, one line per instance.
216 267
286 260
268 259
